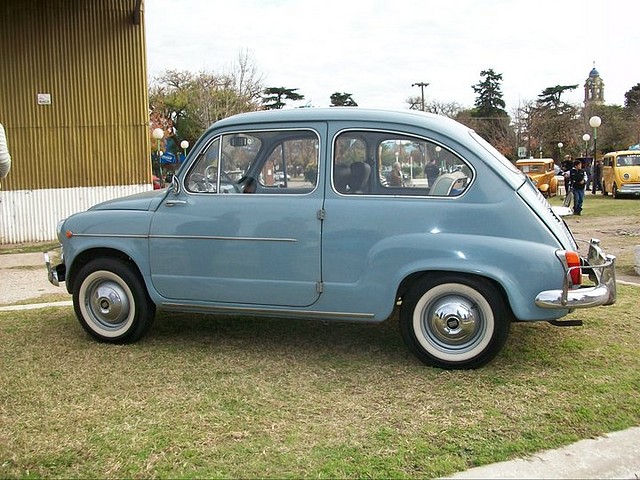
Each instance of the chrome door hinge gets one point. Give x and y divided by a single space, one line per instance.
319 287
321 214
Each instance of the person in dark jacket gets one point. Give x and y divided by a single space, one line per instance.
431 171
597 176
578 178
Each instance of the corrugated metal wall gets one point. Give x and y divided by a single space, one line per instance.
89 57
73 100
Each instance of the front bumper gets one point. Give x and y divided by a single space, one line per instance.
54 263
602 272
629 189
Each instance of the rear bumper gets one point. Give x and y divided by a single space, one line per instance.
601 270
54 263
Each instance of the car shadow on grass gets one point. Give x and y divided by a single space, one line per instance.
297 337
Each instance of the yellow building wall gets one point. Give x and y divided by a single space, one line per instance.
73 93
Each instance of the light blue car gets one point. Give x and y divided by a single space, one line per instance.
315 228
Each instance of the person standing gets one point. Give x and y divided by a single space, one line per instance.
5 158
431 171
597 176
396 179
578 179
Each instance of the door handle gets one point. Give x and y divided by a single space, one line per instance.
171 203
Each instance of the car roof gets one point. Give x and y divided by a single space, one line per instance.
623 152
534 160
348 114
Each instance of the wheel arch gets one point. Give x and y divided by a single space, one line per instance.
90 254
411 279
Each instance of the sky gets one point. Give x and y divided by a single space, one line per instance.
376 49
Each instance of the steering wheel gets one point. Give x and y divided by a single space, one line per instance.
247 184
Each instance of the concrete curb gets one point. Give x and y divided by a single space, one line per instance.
615 455
34 306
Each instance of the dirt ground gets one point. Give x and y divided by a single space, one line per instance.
23 276
619 236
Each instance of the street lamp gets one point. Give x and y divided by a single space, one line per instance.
184 145
438 150
421 85
158 133
586 137
560 145
595 122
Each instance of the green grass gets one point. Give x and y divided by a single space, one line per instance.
600 206
226 397
36 247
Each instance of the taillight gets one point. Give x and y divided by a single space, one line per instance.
573 263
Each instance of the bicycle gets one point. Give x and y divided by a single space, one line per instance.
568 197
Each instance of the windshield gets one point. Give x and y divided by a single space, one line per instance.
532 168
628 161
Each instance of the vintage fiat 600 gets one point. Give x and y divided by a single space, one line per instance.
309 227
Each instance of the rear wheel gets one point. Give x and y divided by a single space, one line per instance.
453 321
111 301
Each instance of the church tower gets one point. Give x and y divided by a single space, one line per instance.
594 88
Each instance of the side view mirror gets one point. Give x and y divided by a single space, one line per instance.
175 185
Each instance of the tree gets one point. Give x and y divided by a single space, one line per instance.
489 101
184 104
447 109
342 100
632 98
488 116
272 99
550 96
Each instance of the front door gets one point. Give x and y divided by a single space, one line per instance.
244 228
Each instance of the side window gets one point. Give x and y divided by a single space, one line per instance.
203 175
384 163
351 172
257 162
291 165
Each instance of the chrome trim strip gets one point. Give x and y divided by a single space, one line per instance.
187 237
110 235
217 237
185 307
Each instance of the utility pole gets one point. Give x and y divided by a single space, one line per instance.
421 85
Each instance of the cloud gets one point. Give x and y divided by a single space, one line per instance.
375 49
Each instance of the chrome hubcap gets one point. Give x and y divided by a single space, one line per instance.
453 321
109 303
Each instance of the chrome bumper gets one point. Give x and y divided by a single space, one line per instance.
55 266
602 273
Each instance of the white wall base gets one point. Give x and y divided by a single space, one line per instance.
32 215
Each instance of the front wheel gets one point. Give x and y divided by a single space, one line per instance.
454 322
111 301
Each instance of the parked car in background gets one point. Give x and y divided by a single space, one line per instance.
460 259
543 173
621 173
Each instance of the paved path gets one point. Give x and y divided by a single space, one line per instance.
616 455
